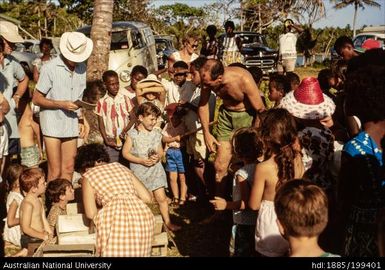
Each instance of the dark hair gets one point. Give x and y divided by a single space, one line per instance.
13 174
281 83
180 64
323 78
229 24
29 178
211 30
199 62
108 74
293 77
279 133
57 188
246 144
92 89
139 69
45 41
342 42
237 64
301 208
215 67
148 108
88 155
1 44
257 74
365 86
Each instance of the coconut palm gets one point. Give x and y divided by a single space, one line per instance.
357 3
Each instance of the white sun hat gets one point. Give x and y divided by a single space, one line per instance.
75 46
9 32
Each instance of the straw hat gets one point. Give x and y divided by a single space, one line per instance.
9 32
75 46
151 84
308 101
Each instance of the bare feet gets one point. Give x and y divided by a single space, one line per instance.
21 253
173 227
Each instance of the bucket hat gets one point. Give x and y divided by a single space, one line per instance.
75 46
9 32
151 84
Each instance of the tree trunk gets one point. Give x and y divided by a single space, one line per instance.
355 18
101 36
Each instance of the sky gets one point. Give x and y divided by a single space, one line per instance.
340 18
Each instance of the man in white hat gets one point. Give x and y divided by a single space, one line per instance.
62 81
11 74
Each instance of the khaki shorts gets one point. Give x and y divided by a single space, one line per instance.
229 121
286 65
196 146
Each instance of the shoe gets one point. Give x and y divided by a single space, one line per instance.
175 203
191 198
181 202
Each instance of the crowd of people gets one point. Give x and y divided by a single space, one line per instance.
307 173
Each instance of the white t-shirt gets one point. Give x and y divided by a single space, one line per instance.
287 45
172 91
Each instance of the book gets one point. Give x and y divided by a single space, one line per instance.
85 105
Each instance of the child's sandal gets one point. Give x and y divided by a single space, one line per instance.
181 202
175 202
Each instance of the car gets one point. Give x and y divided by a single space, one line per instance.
164 48
370 32
256 52
28 51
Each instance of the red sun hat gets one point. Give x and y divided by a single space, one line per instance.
308 101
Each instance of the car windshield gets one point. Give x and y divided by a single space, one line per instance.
253 40
119 40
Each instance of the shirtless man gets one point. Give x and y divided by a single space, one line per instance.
29 129
33 221
241 101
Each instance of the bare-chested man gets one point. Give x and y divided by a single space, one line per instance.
241 101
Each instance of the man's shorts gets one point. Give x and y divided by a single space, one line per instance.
30 156
3 141
14 146
229 121
286 65
174 160
196 146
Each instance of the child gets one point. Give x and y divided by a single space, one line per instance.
33 222
143 149
138 73
293 79
59 192
113 112
30 142
282 163
12 232
257 74
172 133
302 212
278 88
247 147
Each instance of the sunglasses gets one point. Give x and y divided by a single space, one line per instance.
193 45
181 74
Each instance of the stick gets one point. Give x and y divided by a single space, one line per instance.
188 133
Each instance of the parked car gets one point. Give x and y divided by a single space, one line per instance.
28 51
164 48
370 32
255 51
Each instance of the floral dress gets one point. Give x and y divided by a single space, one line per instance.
143 143
125 224
363 179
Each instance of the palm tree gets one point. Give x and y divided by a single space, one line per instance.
101 36
357 3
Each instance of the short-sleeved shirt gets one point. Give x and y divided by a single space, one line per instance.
170 131
115 112
57 82
172 91
287 45
10 74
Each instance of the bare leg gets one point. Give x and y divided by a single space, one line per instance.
174 184
183 188
53 149
160 197
68 150
221 165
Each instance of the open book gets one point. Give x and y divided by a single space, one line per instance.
85 105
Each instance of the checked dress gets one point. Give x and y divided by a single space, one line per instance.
125 224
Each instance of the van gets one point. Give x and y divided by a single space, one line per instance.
132 43
372 32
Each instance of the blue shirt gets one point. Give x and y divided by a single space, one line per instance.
10 75
58 82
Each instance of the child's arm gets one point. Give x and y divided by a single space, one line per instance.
26 210
258 186
169 139
46 225
126 151
12 220
108 141
89 199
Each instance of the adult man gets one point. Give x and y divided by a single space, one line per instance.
287 47
61 82
241 100
230 45
11 74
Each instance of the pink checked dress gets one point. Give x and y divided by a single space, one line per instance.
125 225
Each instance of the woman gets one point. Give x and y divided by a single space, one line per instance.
45 48
187 54
124 225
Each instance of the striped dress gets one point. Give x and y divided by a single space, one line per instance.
125 225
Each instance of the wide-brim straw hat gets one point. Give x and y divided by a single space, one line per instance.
9 32
308 101
151 84
75 46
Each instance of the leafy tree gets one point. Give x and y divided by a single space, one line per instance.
357 3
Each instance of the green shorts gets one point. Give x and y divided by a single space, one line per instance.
229 121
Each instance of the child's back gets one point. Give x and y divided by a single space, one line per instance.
12 233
